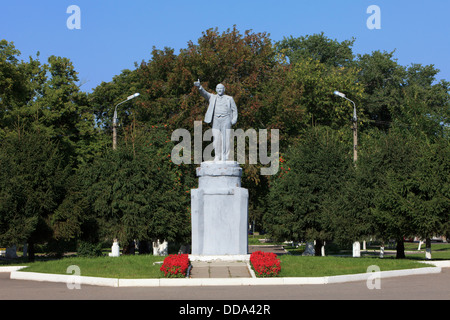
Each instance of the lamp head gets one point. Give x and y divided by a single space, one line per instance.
340 94
133 96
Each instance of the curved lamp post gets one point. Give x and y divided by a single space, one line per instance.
356 244
115 119
115 248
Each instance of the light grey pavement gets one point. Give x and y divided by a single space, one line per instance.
417 287
219 269
277 249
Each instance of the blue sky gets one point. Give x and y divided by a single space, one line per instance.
116 33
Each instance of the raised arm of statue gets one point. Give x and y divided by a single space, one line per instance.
205 94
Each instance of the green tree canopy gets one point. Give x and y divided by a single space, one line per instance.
427 198
313 171
387 165
46 98
319 48
134 192
33 176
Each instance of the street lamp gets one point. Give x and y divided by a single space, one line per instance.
115 119
355 126
356 244
115 247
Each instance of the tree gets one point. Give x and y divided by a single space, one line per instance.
245 64
46 98
317 67
33 175
135 192
382 78
428 191
425 107
387 165
348 213
61 111
314 84
319 48
313 172
19 83
43 100
403 96
107 95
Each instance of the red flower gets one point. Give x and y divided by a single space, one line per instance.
266 264
175 265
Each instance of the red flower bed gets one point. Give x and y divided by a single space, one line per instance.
266 264
175 265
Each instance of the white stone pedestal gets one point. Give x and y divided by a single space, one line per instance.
115 249
219 210
356 249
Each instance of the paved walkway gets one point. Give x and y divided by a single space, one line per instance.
277 249
219 269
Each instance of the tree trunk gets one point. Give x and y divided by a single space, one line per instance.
318 248
400 249
144 247
129 249
31 252
428 248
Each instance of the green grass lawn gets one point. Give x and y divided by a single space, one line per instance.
139 267
124 267
298 266
439 251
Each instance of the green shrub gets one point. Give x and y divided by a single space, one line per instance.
88 249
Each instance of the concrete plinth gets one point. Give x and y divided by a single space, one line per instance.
219 210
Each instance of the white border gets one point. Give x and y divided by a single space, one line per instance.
167 282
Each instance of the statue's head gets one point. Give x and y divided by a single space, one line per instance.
220 89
